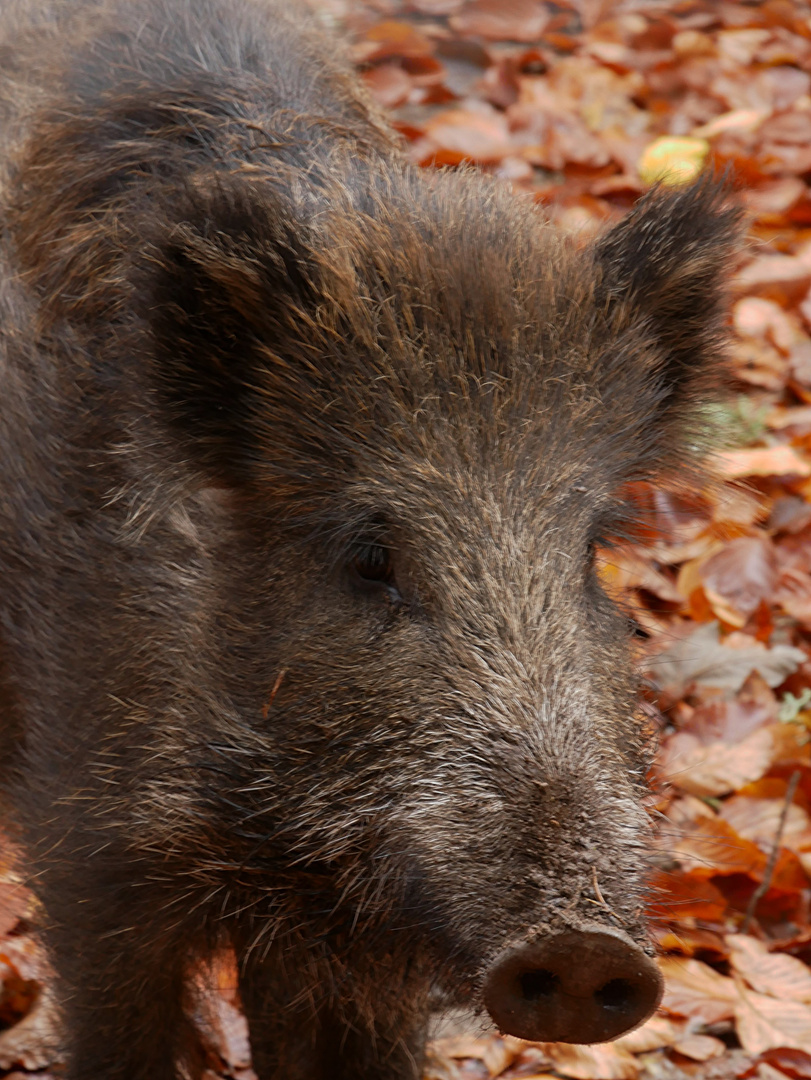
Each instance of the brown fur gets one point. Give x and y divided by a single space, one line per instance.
305 454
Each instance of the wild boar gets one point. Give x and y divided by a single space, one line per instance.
306 453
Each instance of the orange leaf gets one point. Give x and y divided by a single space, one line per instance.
393 39
715 849
766 461
477 136
681 896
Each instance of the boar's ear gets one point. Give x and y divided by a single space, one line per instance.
225 279
665 266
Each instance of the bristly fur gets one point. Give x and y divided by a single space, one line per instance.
243 346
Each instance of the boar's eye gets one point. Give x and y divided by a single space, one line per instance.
372 570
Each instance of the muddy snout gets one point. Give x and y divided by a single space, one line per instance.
576 986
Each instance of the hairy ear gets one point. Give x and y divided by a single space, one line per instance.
665 266
225 276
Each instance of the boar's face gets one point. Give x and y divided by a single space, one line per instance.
423 405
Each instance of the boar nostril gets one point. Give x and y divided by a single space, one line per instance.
538 984
579 986
617 994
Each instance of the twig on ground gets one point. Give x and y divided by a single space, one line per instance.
768 873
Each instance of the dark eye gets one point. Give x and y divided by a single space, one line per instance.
373 563
372 571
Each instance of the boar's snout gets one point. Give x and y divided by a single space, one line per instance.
576 986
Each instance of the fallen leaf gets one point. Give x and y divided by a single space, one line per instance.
735 120
739 577
673 160
476 136
655 1033
774 272
772 973
700 1047
759 317
33 1043
714 849
621 570
693 988
793 1063
392 39
498 20
605 1060
701 657
731 719
676 895
495 1052
764 1023
388 84
793 592
766 461
710 770
437 7
757 819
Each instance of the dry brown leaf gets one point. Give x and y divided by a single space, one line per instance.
657 1032
718 768
758 363
734 505
774 271
759 317
702 657
793 592
739 577
700 1047
735 120
496 1053
437 7
725 719
764 1023
389 84
606 1061
694 989
758 819
497 20
776 974
633 569
34 1042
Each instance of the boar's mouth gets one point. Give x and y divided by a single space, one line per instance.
584 985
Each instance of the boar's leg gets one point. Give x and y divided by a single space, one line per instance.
122 963
297 1036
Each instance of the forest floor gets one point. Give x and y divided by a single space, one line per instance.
581 105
